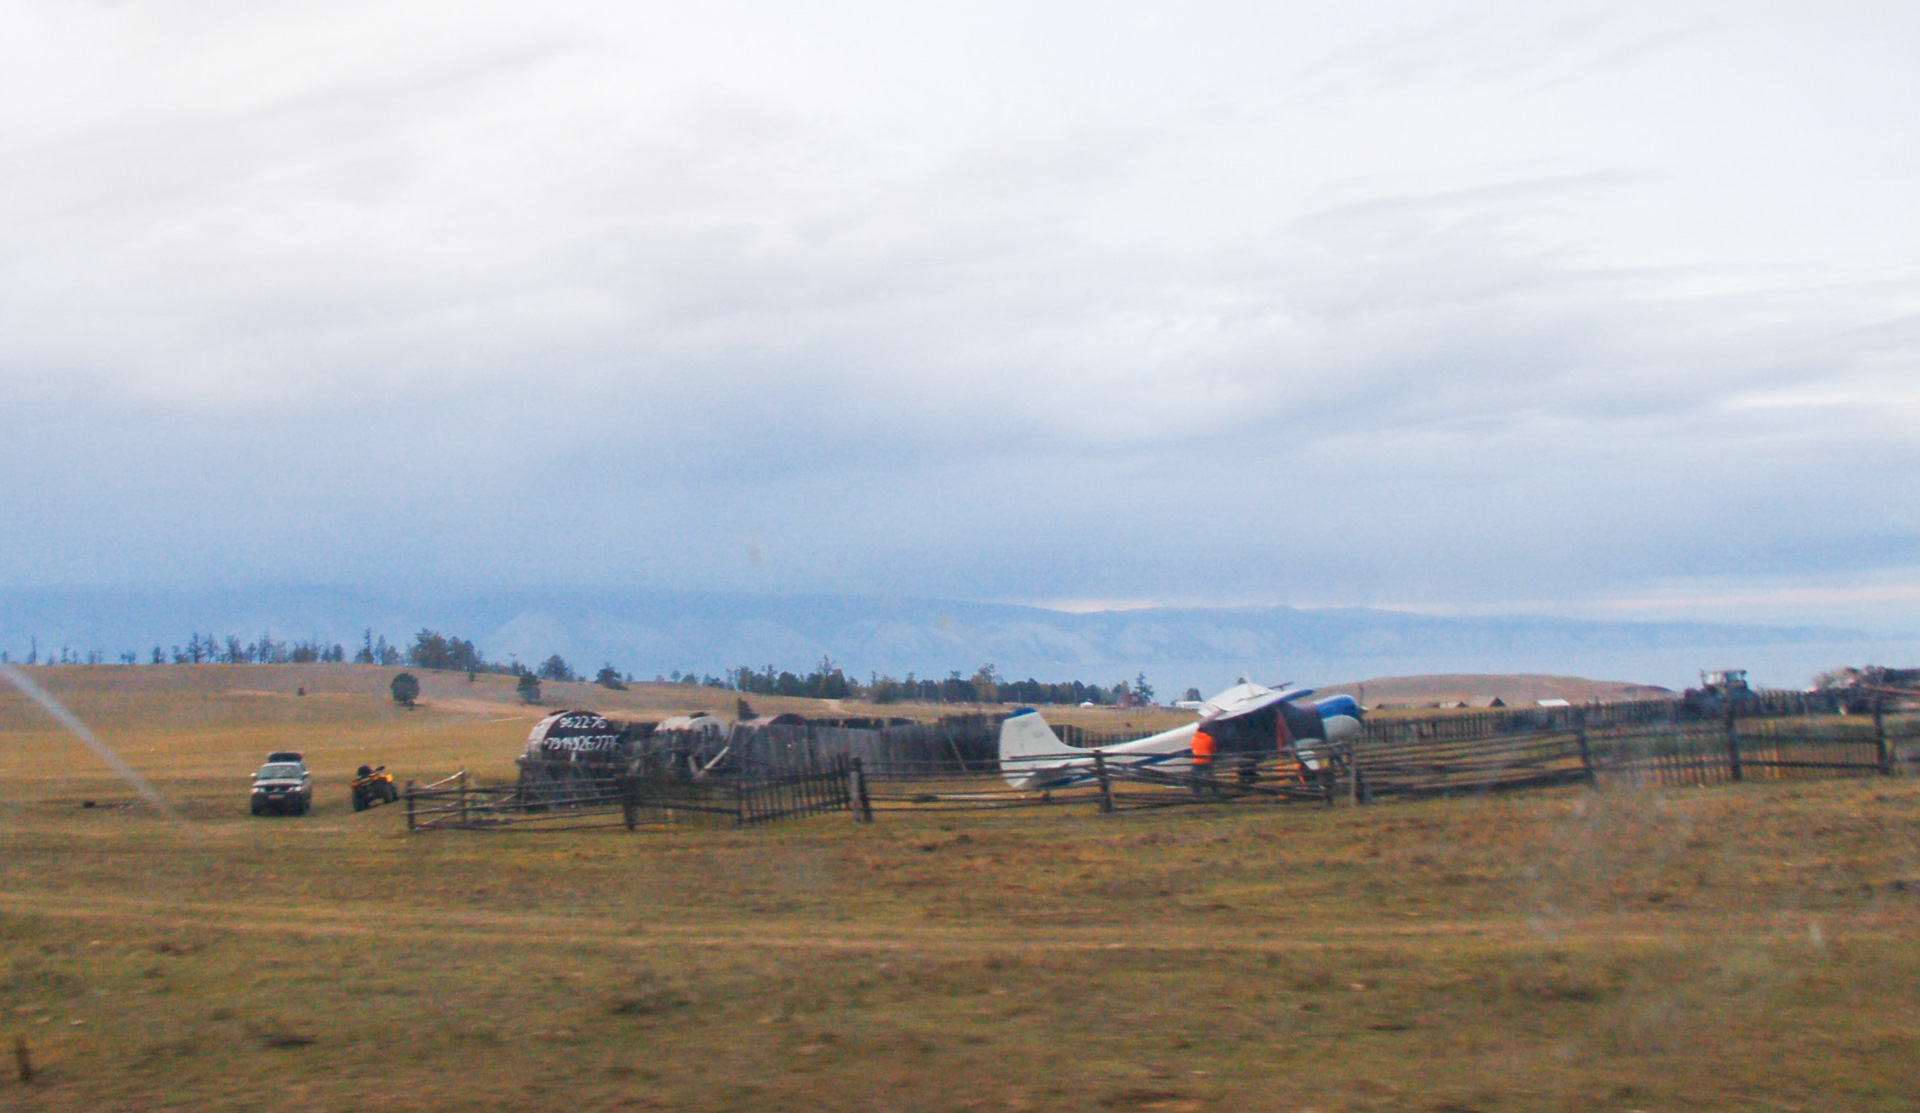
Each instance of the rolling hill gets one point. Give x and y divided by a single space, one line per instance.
649 633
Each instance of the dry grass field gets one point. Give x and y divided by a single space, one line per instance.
1752 947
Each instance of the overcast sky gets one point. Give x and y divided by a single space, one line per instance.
1606 310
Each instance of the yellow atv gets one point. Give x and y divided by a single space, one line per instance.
373 785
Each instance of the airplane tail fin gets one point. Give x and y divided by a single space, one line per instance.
1025 737
1029 750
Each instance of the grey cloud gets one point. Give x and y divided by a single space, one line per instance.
1230 331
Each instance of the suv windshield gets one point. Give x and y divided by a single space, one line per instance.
278 773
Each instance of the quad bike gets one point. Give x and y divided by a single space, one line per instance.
373 785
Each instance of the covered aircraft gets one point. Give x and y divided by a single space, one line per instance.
1247 721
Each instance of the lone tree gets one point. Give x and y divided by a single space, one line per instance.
528 687
610 678
556 668
986 684
405 690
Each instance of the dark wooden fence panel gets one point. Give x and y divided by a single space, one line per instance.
1499 763
775 795
1673 753
954 745
1670 755
567 798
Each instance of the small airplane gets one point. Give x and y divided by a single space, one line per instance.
1247 722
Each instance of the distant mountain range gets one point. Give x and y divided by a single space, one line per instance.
648 633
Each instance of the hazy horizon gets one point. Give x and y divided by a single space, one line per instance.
649 633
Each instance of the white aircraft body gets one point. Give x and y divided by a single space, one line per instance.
1033 758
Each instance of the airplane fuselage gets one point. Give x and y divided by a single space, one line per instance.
1247 720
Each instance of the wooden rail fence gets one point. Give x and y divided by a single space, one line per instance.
1597 748
622 800
778 773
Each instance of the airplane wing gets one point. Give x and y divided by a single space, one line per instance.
1245 698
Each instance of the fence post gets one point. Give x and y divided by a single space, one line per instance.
410 799
463 799
629 805
1881 748
1586 751
862 804
1106 782
1733 742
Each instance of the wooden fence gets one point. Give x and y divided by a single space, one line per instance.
1714 753
776 795
1503 762
747 797
1596 716
762 774
960 744
1595 748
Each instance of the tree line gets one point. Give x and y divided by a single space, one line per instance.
430 650
441 652
206 649
829 681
